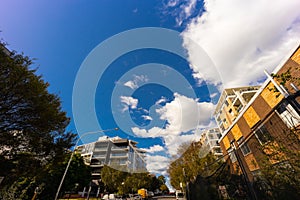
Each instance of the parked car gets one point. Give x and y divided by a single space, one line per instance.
137 197
109 197
150 194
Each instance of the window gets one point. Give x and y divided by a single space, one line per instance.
118 154
244 148
232 155
288 114
99 154
217 150
231 112
263 135
123 161
226 103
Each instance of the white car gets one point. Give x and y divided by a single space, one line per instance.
109 197
150 194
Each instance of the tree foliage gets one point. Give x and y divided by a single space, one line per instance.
197 171
122 182
32 127
190 164
279 176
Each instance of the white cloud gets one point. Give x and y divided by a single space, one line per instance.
189 8
157 164
161 100
153 132
131 84
134 84
242 38
213 95
153 149
173 142
128 102
184 114
172 3
181 10
147 117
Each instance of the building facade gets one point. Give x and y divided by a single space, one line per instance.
269 121
118 153
209 141
231 103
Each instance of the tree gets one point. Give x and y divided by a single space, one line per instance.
279 176
78 176
32 126
164 188
124 183
196 172
112 178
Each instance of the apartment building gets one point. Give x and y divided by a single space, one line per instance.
265 121
121 154
209 141
231 103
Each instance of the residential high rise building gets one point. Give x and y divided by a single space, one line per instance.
269 119
116 152
231 103
209 141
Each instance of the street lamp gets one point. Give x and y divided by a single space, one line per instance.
69 162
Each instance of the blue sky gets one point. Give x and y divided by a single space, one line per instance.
156 97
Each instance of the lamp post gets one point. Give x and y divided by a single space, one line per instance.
70 160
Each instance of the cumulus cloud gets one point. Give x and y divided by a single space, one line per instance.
182 10
152 133
134 84
185 114
182 115
128 102
173 142
157 164
147 117
242 38
153 149
161 100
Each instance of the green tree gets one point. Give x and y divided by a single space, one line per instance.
123 182
279 176
195 166
164 188
112 178
32 127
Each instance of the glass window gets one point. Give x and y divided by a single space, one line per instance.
263 135
226 103
210 136
245 149
218 150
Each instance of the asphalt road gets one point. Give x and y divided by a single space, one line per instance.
164 198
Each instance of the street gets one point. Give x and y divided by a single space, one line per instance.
166 197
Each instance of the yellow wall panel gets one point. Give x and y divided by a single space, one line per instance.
271 96
296 56
251 117
236 132
251 162
226 142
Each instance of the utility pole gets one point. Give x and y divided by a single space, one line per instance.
35 193
186 185
246 178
